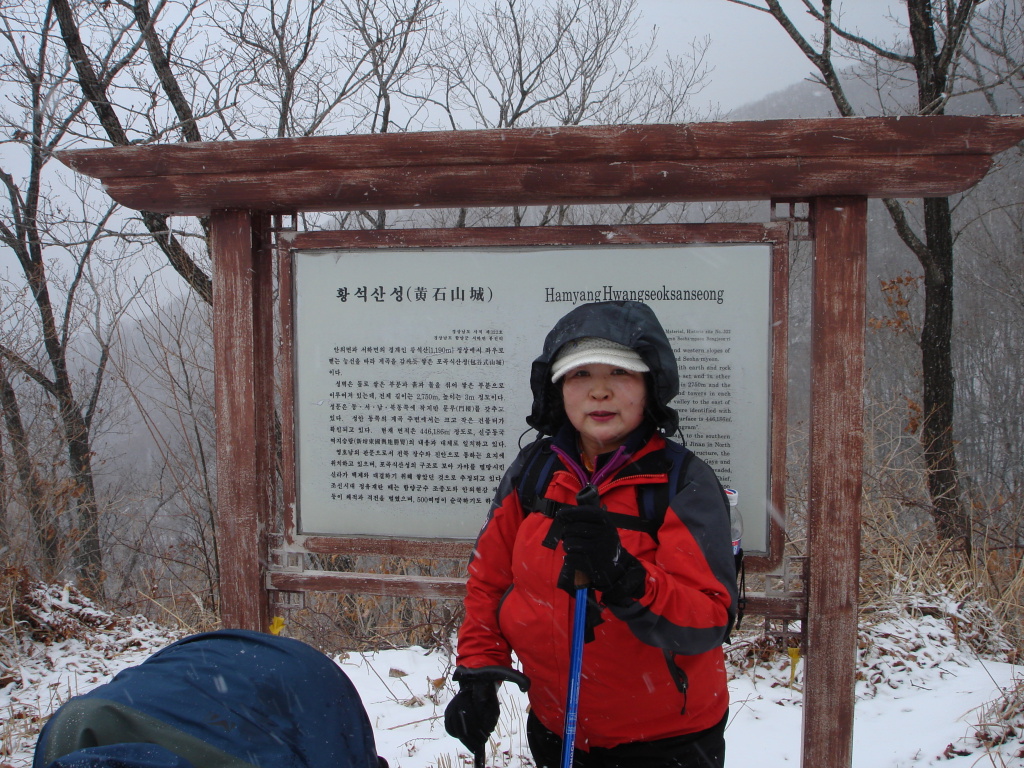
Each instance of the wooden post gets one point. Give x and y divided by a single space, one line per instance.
836 451
241 311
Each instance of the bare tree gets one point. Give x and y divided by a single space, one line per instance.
165 357
995 55
991 260
937 33
293 67
135 73
398 39
36 499
511 63
96 85
56 253
559 62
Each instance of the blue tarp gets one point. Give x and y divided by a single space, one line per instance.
227 699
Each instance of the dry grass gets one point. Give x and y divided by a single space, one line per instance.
978 595
900 554
362 622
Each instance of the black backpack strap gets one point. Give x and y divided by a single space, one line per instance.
631 523
653 498
741 588
538 469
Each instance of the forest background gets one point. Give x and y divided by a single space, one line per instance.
107 471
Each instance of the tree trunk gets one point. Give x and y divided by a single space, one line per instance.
89 559
951 520
937 31
42 518
933 65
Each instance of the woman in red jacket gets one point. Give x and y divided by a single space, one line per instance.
655 549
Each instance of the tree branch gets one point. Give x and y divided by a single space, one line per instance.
905 231
858 40
162 67
96 92
822 61
22 365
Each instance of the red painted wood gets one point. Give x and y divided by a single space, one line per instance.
646 234
242 490
779 404
776 606
824 137
452 186
286 379
369 584
417 548
264 416
836 453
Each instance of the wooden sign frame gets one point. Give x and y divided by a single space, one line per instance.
832 164
285 573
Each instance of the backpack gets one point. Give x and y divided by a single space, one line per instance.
226 698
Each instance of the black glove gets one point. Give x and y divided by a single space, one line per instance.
592 546
472 713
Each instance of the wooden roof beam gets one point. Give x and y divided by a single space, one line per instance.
876 157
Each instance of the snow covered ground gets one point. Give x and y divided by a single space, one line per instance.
925 697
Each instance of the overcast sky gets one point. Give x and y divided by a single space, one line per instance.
751 53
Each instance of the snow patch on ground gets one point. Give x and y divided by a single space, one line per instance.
933 688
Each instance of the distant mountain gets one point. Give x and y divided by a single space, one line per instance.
802 99
893 95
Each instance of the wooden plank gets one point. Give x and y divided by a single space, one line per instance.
286 377
369 584
264 413
823 137
551 184
776 606
647 234
778 439
415 548
241 490
791 608
836 453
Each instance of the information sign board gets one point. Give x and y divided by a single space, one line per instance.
412 371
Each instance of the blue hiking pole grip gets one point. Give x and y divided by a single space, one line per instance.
572 698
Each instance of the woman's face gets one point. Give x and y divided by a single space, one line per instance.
605 403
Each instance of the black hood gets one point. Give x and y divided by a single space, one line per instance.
625 322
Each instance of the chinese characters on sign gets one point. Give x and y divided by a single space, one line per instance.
412 371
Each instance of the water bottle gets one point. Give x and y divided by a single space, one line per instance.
735 520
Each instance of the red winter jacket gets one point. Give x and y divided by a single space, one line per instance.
655 668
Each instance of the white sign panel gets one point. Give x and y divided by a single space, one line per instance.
413 367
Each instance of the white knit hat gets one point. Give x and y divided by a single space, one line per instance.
591 349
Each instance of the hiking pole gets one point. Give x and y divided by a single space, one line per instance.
572 698
588 496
